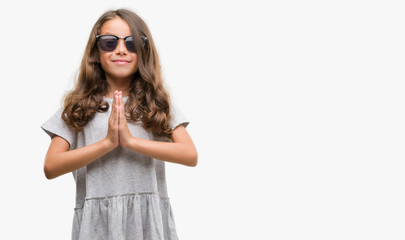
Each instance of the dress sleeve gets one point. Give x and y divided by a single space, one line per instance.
56 126
177 117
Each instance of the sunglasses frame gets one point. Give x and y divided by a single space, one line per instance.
144 39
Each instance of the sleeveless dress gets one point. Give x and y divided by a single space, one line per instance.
123 194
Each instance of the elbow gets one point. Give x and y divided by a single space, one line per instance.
193 160
49 173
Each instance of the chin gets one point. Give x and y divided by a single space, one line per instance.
122 74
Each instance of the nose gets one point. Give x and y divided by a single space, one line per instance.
121 48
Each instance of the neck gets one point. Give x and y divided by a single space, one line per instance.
118 85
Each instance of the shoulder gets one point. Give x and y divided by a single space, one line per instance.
177 117
56 126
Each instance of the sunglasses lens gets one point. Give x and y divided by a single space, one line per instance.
108 43
129 43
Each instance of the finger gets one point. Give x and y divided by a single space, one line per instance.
118 98
116 94
122 108
121 101
114 107
114 99
118 105
117 115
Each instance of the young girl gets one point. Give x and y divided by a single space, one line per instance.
114 132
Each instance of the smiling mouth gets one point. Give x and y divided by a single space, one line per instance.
120 62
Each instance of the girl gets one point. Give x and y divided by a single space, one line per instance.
114 132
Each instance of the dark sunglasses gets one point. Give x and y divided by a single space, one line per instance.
109 42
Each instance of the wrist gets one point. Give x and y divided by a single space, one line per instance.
108 144
129 142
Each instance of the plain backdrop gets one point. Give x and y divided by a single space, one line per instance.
296 109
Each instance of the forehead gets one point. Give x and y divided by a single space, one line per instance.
116 26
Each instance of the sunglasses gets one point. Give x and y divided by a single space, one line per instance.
109 42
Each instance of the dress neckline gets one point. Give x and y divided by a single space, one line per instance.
110 99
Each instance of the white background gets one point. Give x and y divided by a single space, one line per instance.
296 109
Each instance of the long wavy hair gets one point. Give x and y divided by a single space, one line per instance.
148 101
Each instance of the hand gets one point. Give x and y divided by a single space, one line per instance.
124 133
112 137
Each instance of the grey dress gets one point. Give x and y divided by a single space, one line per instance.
123 194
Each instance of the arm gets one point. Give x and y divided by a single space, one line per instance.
181 150
59 160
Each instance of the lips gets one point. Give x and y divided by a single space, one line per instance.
120 61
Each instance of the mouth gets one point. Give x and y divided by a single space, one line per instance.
120 62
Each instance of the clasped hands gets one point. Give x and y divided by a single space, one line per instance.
118 132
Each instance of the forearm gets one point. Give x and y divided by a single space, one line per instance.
61 162
180 153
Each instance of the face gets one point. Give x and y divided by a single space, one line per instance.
119 64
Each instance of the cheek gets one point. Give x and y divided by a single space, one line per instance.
104 60
135 58
136 66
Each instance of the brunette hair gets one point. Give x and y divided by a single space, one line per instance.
148 100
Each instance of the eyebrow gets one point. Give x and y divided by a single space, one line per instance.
108 33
